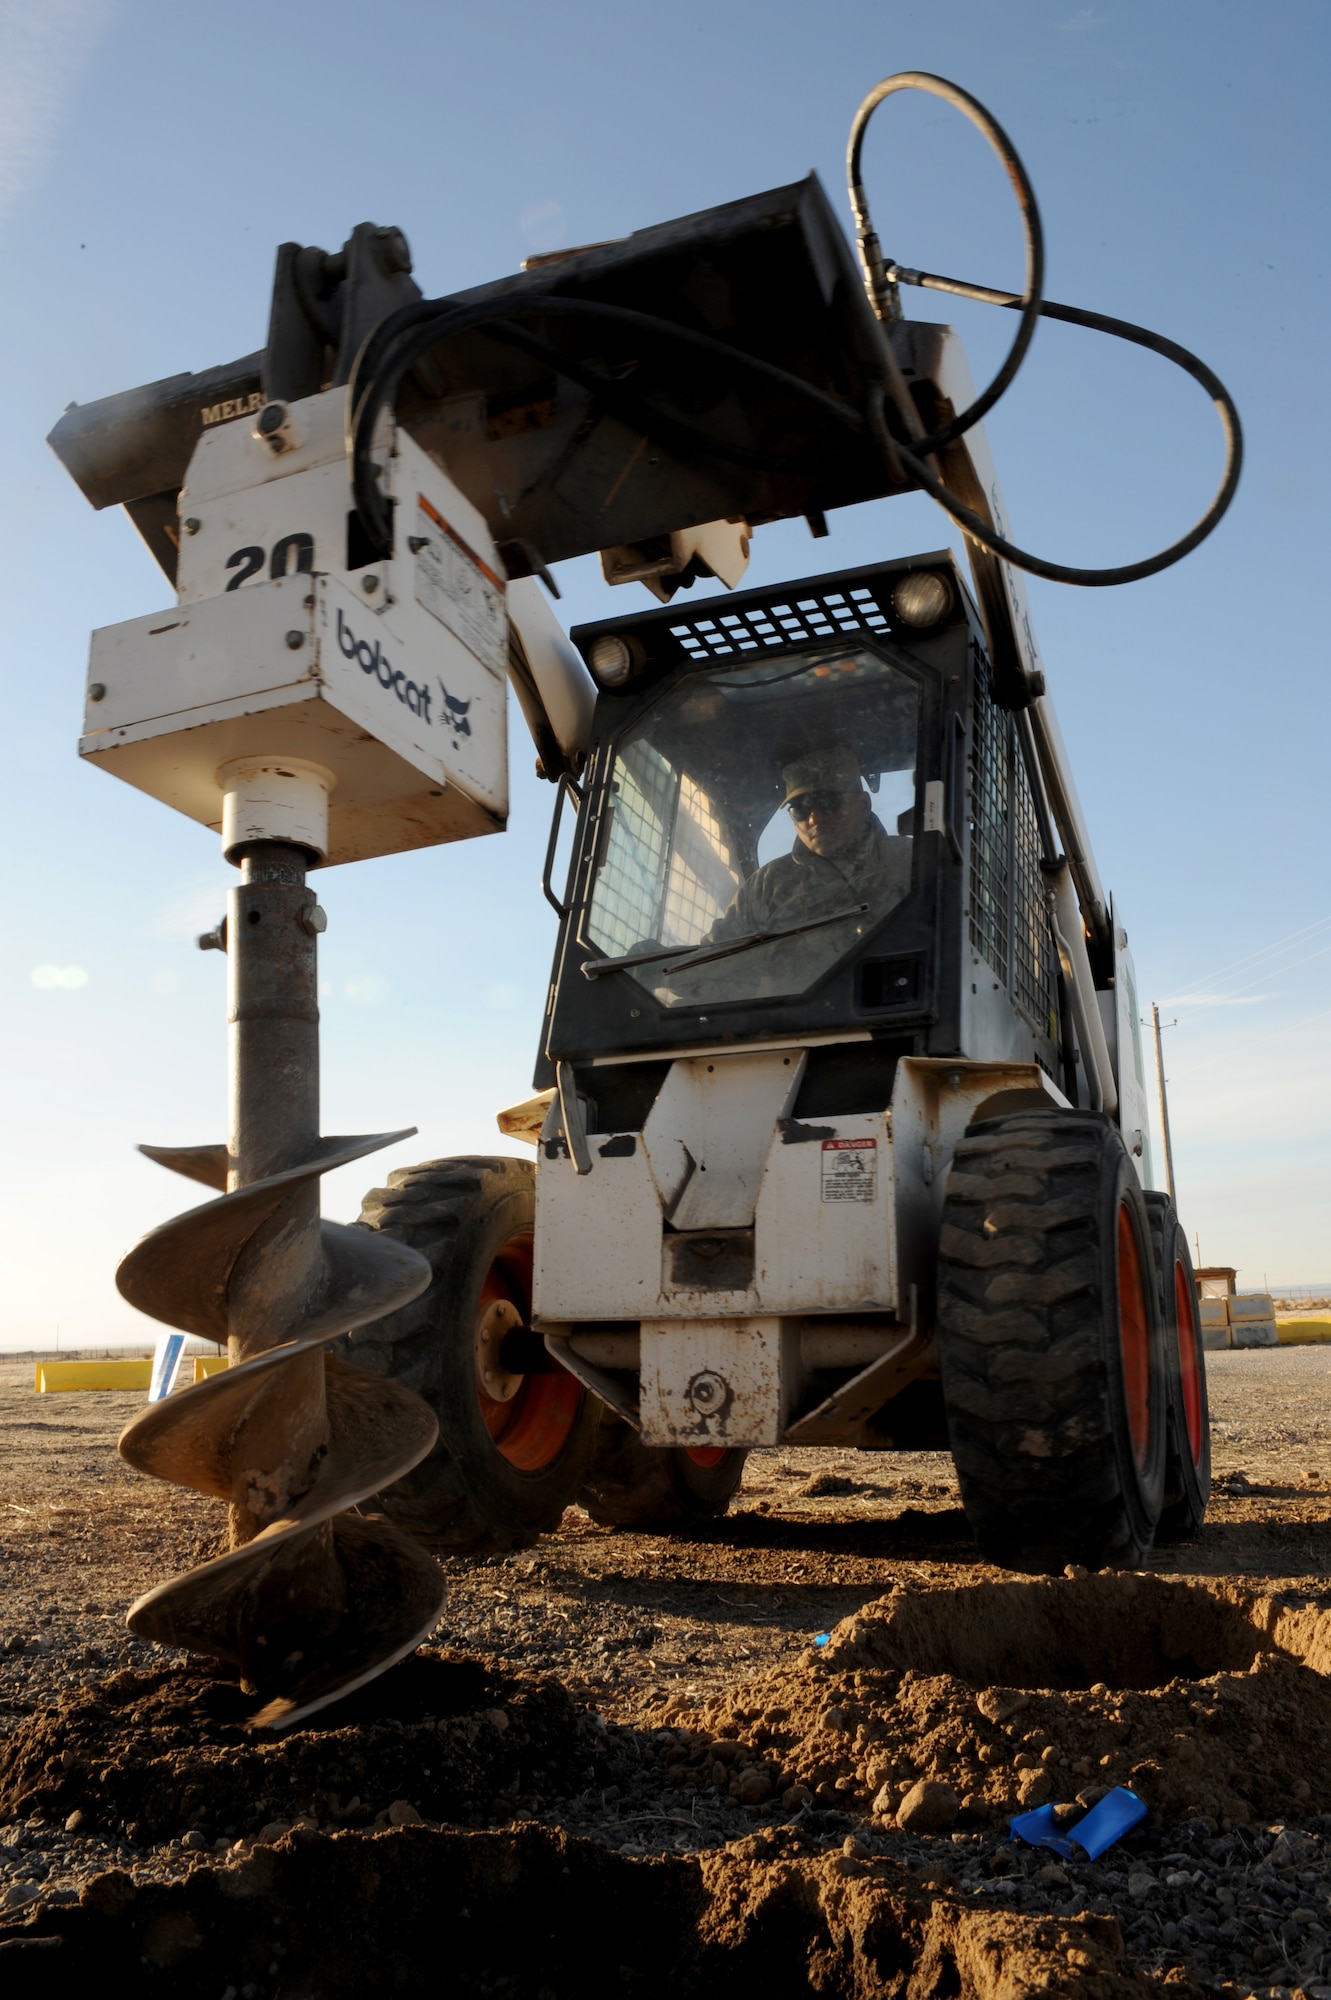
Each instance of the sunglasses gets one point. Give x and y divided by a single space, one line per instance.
821 803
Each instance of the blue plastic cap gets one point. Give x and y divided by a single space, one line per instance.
822 1638
1116 1814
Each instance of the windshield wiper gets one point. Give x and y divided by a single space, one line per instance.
708 952
594 967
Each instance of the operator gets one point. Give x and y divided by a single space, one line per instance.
842 855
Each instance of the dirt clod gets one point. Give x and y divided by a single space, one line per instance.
826 1486
928 1807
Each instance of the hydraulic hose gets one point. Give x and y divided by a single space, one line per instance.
881 278
883 275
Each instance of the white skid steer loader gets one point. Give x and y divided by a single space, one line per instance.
840 1126
841 1130
845 1138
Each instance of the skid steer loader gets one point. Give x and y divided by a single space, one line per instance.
840 1127
839 1146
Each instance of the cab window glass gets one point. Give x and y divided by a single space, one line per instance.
760 818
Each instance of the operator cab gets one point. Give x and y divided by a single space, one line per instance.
803 816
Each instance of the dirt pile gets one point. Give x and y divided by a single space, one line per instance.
534 1913
168 1752
1204 1700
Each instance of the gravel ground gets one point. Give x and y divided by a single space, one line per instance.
637 1629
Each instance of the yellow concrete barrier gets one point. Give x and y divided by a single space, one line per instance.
1303 1332
209 1364
54 1375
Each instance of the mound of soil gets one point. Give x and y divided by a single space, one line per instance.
1126 1630
534 1915
168 1751
1203 1700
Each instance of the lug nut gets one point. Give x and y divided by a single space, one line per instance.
295 640
97 691
369 583
191 524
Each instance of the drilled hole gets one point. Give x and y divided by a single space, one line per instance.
1122 1631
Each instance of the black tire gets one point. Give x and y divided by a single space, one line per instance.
1188 1450
1049 1343
633 1485
473 1219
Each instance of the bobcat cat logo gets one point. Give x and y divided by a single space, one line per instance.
455 712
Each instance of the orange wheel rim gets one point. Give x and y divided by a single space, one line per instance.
1134 1336
1190 1372
705 1455
531 1427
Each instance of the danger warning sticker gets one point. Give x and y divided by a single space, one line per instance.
850 1169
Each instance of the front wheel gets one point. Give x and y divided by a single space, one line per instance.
633 1485
1050 1347
515 1429
1188 1456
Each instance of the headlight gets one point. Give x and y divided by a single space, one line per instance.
610 660
922 598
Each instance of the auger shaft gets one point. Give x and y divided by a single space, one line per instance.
273 1077
273 1061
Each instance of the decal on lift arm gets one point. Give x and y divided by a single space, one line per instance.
460 590
850 1170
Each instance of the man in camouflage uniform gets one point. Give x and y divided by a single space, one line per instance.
842 855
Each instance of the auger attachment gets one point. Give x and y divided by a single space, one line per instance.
313 1598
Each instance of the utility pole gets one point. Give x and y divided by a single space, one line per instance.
1164 1101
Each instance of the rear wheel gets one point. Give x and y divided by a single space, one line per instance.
634 1485
1050 1348
515 1430
1188 1456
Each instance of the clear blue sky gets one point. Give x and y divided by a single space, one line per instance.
152 155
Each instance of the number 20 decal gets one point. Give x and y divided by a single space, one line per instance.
248 562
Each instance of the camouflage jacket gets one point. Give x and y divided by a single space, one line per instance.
803 884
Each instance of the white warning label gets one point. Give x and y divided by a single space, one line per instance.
850 1169
460 590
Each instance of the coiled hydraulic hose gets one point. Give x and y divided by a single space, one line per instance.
405 336
882 276
881 279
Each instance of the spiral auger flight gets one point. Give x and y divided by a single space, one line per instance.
312 1598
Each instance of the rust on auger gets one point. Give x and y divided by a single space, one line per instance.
313 1597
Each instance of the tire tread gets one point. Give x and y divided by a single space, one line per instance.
1020 1304
429 1206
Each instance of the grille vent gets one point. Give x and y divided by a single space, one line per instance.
786 621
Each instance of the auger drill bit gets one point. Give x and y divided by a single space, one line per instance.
312 1598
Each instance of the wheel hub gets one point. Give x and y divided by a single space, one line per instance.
497 1321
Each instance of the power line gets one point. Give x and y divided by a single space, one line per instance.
1270 950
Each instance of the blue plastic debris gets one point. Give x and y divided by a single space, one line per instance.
822 1638
1116 1814
167 1357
